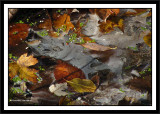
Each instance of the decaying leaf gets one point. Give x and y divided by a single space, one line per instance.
58 89
63 21
17 33
66 101
82 85
63 70
95 80
147 39
21 68
104 13
97 47
47 24
109 25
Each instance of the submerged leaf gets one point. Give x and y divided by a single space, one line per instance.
82 85
17 33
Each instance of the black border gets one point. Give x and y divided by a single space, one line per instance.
157 2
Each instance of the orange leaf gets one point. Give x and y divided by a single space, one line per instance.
17 33
26 61
147 39
47 24
63 69
63 20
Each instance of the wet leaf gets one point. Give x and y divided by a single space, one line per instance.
95 80
21 69
109 25
63 70
82 85
17 33
47 24
147 39
66 101
135 12
58 89
63 21
97 47
104 13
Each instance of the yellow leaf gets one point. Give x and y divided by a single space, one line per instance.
147 39
26 61
21 68
28 74
120 25
13 69
82 85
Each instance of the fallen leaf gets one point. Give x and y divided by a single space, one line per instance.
17 33
95 80
109 25
104 13
147 39
21 69
26 61
64 101
63 70
82 85
58 89
47 24
63 21
97 47
135 12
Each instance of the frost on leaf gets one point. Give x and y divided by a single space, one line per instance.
21 69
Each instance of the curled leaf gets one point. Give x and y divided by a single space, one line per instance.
82 85
97 47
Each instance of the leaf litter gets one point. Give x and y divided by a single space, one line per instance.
75 48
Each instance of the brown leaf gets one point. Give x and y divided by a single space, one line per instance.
47 24
96 47
63 70
95 80
17 33
104 13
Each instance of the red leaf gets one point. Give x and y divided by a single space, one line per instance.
64 71
17 33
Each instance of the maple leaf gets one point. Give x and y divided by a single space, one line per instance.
17 33
82 85
63 21
66 71
21 68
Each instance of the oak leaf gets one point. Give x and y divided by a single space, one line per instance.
21 68
82 85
